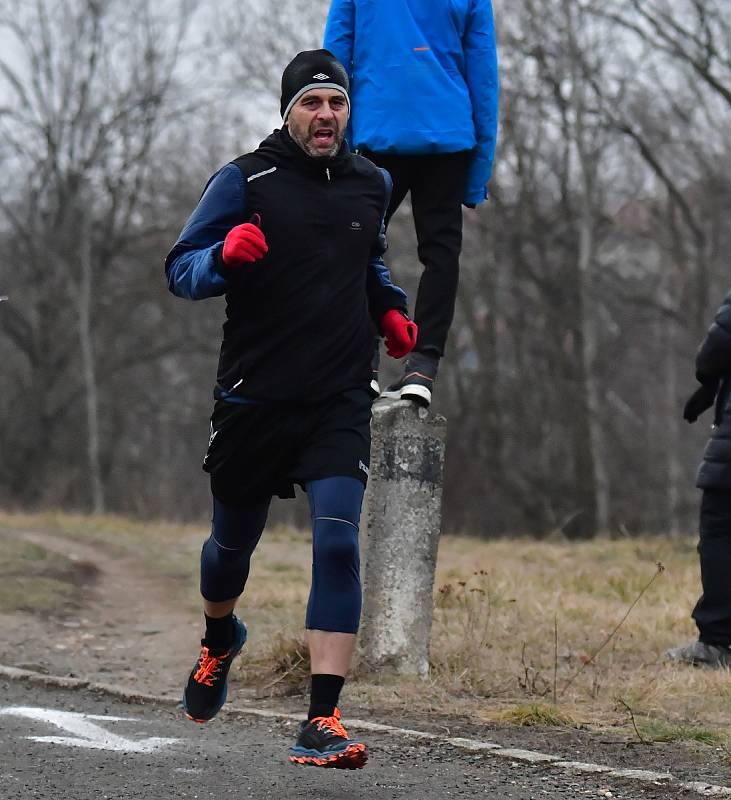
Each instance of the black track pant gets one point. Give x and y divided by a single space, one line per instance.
437 184
712 613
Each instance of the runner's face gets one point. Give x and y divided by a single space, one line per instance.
317 121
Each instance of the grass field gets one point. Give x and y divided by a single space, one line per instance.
35 581
528 632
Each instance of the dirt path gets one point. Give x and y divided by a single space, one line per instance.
125 632
128 632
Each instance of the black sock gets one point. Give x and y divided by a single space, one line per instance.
325 695
219 631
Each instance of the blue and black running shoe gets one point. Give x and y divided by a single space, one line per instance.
417 383
207 685
324 742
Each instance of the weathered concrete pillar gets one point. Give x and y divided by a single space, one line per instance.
399 536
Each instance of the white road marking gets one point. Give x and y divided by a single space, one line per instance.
87 734
470 745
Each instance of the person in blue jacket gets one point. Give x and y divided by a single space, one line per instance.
424 89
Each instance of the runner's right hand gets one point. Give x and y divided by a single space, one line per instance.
244 244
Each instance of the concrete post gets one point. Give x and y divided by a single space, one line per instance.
399 537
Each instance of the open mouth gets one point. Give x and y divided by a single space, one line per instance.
324 136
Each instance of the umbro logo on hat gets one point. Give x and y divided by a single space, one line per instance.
306 71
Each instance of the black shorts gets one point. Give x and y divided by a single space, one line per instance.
260 450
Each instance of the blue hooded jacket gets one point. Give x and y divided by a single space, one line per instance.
424 78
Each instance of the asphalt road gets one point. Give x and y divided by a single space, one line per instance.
72 745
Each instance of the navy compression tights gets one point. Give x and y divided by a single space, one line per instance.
335 593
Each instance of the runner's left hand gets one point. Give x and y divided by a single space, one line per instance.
399 333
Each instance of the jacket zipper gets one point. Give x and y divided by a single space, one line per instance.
327 172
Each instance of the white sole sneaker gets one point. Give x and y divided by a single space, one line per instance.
410 391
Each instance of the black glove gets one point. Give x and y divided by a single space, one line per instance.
701 400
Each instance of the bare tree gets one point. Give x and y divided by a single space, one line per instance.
587 279
89 84
694 34
261 38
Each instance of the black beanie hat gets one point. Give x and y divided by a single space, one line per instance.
312 69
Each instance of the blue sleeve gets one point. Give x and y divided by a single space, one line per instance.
339 32
482 79
383 294
339 38
193 267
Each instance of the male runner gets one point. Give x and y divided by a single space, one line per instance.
293 235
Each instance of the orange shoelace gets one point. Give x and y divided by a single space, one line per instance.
331 724
208 667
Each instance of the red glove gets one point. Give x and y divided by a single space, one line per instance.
244 244
399 332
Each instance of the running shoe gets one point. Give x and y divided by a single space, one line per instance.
417 383
205 692
324 742
700 654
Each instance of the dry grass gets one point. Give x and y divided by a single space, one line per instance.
655 730
520 620
516 631
544 714
36 581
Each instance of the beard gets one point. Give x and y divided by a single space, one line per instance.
305 138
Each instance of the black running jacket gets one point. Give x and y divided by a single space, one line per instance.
300 323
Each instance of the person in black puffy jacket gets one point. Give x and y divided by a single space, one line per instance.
712 612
